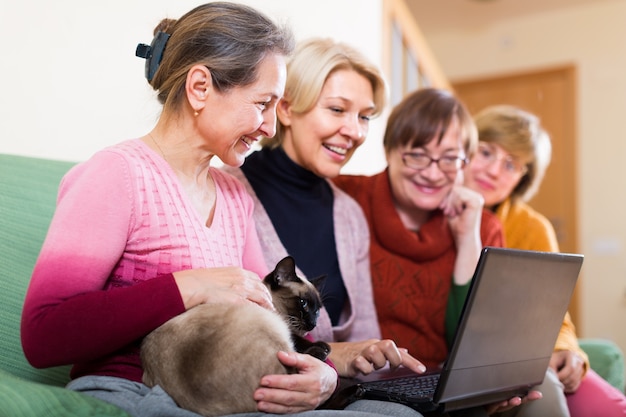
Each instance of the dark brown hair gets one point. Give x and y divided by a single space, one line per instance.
230 39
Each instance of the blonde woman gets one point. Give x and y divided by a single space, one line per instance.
331 94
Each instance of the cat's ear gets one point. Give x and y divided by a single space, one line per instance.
318 282
285 270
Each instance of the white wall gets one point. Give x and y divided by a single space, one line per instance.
592 37
72 84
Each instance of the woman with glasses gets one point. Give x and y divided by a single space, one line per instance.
426 228
513 154
507 169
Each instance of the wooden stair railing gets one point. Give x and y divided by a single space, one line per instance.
407 58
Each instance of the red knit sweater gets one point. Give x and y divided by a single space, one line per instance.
411 272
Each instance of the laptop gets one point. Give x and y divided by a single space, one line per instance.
505 337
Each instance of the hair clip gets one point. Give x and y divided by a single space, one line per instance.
152 53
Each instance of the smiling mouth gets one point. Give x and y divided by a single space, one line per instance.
336 149
426 188
248 141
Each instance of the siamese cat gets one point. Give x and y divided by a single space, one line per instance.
211 358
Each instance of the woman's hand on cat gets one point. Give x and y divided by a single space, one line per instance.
354 358
221 285
306 390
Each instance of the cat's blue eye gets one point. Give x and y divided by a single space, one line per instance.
304 304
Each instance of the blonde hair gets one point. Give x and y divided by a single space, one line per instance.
309 68
519 133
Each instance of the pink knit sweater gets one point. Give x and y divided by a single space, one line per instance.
103 280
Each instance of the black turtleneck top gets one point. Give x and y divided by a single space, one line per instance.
300 205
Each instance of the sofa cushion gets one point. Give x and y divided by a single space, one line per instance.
28 191
24 398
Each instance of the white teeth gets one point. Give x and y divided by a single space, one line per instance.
246 140
337 149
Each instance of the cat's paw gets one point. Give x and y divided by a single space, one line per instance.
319 350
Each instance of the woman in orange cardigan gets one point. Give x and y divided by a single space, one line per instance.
513 155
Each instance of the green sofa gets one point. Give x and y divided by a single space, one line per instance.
28 188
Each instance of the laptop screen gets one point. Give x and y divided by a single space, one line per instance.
510 323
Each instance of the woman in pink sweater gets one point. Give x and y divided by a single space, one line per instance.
146 229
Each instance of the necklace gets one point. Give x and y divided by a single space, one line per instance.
158 147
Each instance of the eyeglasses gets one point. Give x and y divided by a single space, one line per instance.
447 163
488 155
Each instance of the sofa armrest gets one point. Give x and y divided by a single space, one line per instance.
606 358
28 191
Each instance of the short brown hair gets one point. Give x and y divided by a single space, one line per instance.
426 114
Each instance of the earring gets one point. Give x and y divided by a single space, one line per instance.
195 113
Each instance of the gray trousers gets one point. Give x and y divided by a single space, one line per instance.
140 401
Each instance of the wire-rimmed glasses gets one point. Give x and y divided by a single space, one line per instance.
487 155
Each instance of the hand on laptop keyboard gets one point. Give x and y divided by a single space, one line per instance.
354 358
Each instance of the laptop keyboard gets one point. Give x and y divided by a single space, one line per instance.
409 387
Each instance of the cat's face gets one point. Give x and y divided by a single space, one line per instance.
295 298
